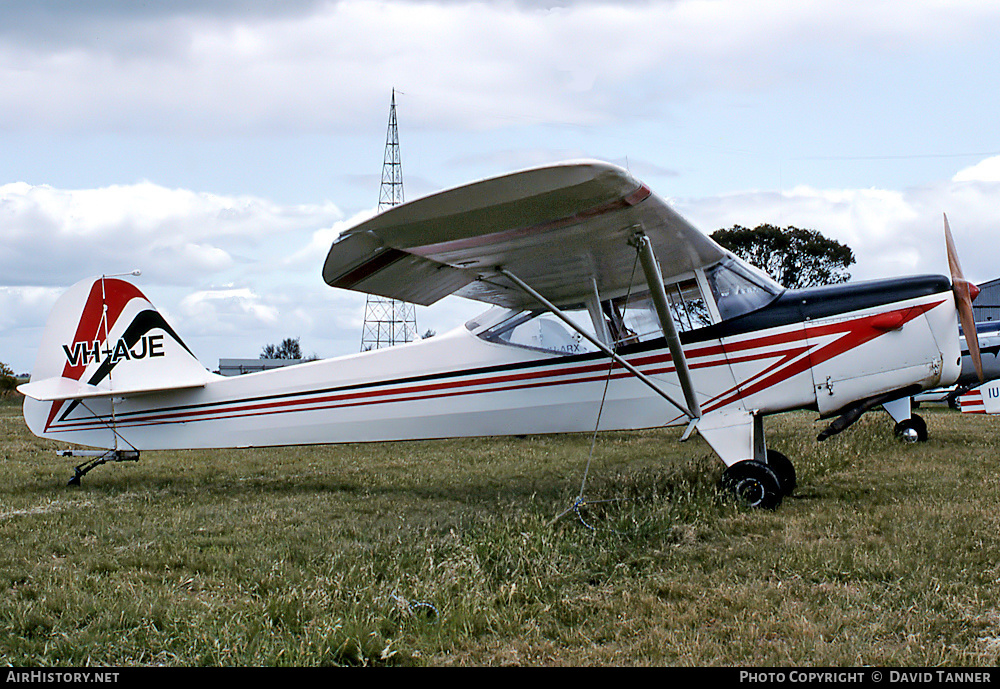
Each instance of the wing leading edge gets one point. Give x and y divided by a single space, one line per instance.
561 228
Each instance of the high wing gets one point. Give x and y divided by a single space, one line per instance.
564 229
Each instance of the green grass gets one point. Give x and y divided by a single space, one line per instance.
467 552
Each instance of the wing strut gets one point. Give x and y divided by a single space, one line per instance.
655 281
525 287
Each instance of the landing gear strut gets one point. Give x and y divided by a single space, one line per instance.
98 457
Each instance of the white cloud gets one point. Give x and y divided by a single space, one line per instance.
213 310
56 236
25 307
985 171
466 64
892 233
314 253
23 311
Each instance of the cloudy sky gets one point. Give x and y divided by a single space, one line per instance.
220 145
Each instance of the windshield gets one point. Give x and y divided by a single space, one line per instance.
739 288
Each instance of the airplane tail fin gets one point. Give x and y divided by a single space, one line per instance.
105 338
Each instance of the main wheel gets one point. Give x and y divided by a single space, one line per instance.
911 430
784 469
754 484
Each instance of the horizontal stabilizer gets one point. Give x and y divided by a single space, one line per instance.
54 389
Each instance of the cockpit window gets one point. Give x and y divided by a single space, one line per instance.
739 288
687 305
736 287
543 331
635 320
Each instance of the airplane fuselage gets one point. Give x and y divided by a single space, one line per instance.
822 349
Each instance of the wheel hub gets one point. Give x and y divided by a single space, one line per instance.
751 491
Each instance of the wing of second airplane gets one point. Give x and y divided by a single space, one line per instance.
560 228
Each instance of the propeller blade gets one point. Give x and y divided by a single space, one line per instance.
965 292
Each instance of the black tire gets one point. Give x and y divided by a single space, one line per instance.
911 430
784 469
753 484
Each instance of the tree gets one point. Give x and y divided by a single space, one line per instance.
7 380
794 257
288 349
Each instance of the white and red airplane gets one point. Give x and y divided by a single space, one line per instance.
609 311
984 399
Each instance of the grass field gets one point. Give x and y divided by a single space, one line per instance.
462 552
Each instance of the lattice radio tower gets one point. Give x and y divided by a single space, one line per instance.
389 322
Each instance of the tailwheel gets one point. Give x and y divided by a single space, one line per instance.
97 458
784 469
754 484
911 430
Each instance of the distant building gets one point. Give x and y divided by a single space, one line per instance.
237 367
986 307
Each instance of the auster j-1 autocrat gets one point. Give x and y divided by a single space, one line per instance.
608 311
